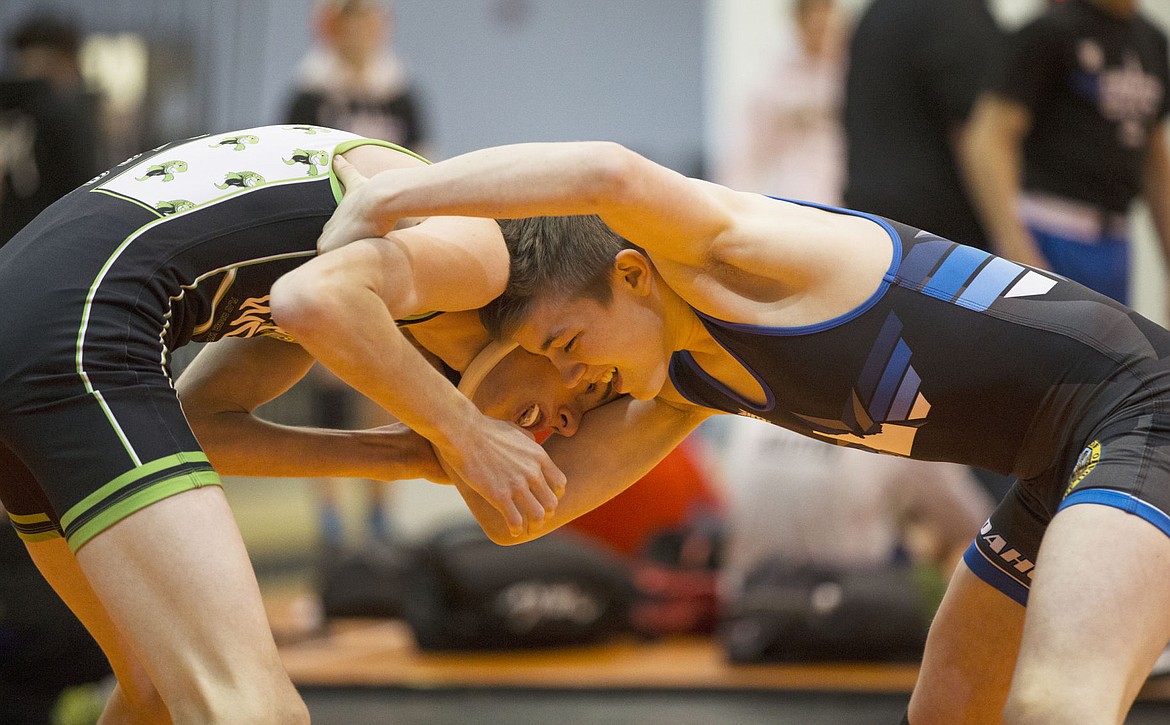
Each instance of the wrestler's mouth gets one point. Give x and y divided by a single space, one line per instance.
530 416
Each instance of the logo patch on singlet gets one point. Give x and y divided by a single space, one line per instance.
209 169
254 319
886 407
1086 462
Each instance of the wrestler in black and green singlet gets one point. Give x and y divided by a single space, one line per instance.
176 245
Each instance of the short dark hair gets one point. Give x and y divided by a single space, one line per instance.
569 256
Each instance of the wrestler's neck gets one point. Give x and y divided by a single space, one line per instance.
684 330
454 337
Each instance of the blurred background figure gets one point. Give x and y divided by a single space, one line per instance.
792 144
916 68
1071 130
50 143
811 503
354 81
50 125
914 72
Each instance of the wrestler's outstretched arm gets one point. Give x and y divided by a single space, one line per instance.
687 225
227 381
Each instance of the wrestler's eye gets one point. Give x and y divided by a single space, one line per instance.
530 417
572 343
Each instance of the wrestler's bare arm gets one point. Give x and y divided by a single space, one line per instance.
705 239
615 446
228 380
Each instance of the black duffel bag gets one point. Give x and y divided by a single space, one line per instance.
789 613
468 593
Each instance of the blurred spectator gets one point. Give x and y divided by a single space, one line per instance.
352 80
50 138
915 68
811 503
793 145
1071 130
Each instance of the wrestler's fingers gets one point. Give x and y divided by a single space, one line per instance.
346 172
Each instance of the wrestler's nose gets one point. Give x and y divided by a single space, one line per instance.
568 418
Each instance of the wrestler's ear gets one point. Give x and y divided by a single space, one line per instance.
633 270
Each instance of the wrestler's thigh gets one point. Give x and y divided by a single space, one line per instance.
970 652
1097 615
138 700
177 582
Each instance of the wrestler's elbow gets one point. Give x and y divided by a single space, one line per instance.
496 528
303 302
612 169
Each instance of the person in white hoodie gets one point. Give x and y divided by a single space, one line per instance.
352 79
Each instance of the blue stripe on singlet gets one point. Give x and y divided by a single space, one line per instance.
990 283
1119 500
994 576
954 272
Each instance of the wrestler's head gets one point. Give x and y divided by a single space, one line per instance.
527 390
588 300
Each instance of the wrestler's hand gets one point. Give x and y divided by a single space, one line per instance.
504 464
356 216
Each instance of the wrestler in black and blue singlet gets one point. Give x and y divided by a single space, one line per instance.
966 357
177 245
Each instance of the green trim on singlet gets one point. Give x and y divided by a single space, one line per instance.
132 200
335 185
134 490
344 146
34 527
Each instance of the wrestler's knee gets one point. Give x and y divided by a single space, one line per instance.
1041 696
256 699
141 706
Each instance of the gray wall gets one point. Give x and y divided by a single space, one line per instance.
492 71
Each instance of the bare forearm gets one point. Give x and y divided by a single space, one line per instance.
504 182
350 330
991 159
993 171
1156 188
240 444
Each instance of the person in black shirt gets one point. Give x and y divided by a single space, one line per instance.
50 126
914 71
1071 130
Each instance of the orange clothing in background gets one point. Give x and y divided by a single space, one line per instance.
667 497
